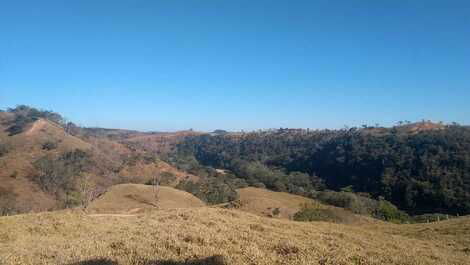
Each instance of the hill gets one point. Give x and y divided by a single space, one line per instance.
285 205
217 237
263 202
47 163
125 198
17 165
419 167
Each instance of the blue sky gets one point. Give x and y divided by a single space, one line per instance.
245 64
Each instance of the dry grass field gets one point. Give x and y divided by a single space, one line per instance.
218 236
131 198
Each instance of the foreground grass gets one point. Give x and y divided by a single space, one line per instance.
218 236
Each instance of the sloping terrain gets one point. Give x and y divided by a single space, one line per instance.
263 202
105 161
16 166
141 172
132 198
157 142
217 236
284 205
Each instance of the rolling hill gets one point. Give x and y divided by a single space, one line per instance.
17 169
46 164
132 198
284 205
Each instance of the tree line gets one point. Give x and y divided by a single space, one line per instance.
421 172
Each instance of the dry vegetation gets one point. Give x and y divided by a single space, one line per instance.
46 139
263 202
218 236
285 205
16 166
131 198
129 225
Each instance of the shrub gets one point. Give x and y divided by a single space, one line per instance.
389 212
210 190
380 209
7 202
276 211
309 214
237 183
4 149
355 203
18 124
166 178
259 185
61 174
49 145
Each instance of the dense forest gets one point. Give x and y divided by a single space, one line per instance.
420 171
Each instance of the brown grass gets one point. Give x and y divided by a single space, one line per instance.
265 202
217 236
141 172
125 198
25 148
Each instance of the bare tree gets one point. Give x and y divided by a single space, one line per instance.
156 190
88 190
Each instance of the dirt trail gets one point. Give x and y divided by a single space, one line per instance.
112 215
38 125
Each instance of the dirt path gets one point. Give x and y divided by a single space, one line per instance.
112 215
38 125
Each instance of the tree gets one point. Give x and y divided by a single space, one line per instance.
7 202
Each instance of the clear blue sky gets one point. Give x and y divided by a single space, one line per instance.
179 64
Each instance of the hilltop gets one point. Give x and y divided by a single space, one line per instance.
132 198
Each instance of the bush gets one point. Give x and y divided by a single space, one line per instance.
24 115
18 124
276 211
210 190
61 174
309 214
355 203
380 209
4 149
167 178
7 202
49 145
389 212
259 185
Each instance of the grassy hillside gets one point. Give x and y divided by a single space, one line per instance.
49 164
217 236
125 198
285 205
16 166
